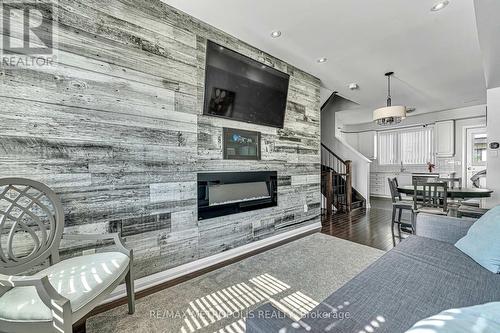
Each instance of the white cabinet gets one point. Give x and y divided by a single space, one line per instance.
444 136
366 144
379 185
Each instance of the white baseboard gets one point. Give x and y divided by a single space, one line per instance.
173 273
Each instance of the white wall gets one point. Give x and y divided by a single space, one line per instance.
488 27
493 174
327 126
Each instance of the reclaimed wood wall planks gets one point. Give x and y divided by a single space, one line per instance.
116 127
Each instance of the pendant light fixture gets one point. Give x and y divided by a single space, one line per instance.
389 115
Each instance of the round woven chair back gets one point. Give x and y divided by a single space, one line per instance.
31 224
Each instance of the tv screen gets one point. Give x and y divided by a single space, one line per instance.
243 89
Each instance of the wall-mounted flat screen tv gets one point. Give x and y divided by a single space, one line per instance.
243 89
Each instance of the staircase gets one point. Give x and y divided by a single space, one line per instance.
336 183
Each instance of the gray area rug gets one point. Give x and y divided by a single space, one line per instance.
295 277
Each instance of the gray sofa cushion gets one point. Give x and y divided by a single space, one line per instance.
419 278
443 228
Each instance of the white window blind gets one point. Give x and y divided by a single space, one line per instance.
387 148
410 146
416 146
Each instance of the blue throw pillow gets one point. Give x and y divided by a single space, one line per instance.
482 242
475 319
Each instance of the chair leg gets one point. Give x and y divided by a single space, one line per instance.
129 282
413 222
399 223
62 320
392 225
67 327
400 215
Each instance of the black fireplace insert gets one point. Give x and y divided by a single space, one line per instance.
225 193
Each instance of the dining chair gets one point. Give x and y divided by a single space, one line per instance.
432 198
398 206
453 182
60 294
423 179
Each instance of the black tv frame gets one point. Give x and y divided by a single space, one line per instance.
206 101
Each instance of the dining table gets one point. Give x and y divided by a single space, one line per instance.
454 193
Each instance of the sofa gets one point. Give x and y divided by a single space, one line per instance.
422 276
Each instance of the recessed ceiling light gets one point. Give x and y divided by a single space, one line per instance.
276 34
322 60
440 5
353 86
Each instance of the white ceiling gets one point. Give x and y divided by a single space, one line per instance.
488 18
435 55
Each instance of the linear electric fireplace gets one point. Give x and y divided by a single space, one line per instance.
225 193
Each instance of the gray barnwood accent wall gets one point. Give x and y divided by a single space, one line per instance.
116 128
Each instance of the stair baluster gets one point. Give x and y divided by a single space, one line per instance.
336 181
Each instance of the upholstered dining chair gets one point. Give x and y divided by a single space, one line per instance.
53 299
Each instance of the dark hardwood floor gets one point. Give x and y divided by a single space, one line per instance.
371 227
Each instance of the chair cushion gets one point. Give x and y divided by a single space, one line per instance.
482 241
79 279
482 318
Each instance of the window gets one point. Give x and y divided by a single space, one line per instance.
479 148
408 146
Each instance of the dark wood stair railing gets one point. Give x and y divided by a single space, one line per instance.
336 176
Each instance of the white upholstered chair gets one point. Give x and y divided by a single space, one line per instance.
53 299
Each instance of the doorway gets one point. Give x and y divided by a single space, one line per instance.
476 148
